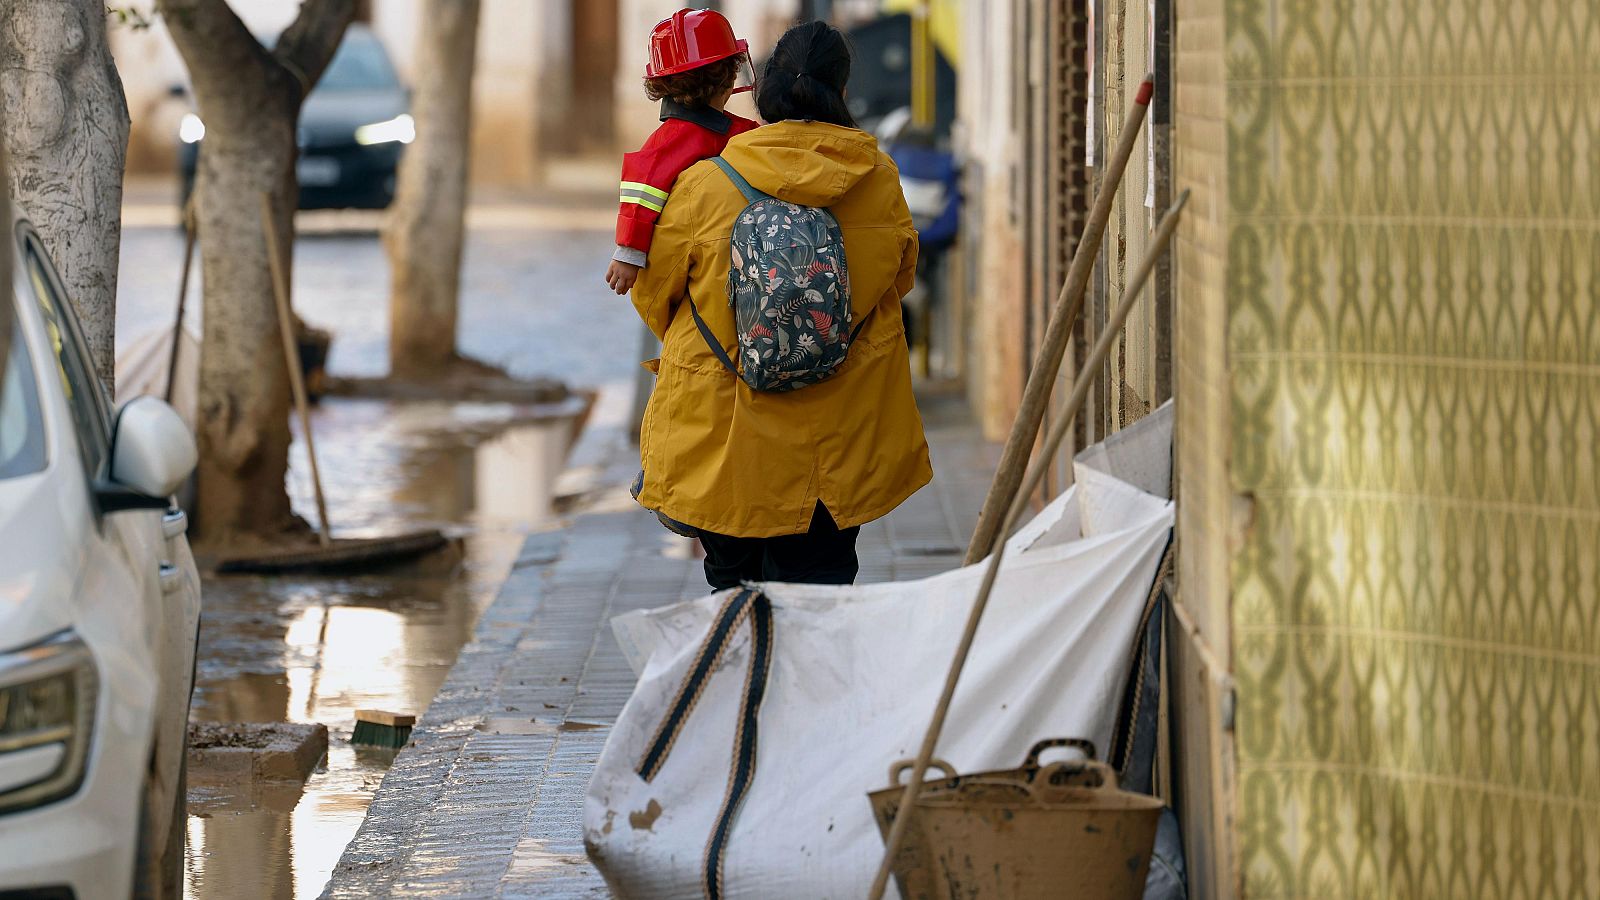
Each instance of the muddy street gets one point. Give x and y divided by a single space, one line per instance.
313 649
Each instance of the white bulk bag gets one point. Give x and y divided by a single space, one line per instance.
854 677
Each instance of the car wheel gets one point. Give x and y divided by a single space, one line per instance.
159 876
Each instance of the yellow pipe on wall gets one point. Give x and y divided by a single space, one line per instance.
944 21
923 70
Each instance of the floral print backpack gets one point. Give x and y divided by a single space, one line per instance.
790 292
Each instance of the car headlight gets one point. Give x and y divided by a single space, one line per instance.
401 128
47 700
191 129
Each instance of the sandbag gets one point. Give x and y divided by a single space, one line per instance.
854 675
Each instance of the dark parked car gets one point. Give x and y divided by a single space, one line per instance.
880 77
352 129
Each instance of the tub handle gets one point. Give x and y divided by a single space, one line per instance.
899 769
1081 744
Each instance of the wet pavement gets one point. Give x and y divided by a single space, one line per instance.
488 798
532 296
314 649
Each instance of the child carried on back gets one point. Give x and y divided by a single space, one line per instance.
694 63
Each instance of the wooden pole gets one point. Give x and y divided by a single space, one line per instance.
1080 392
291 358
1036 395
189 226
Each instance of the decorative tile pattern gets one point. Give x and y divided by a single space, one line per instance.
1413 280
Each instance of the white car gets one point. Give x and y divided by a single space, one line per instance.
99 612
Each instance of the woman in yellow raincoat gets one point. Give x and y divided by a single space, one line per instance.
777 485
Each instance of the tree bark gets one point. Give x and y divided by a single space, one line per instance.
66 125
249 99
6 303
426 226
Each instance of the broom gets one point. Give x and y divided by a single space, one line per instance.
378 728
291 358
190 223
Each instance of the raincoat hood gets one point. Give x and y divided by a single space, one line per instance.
725 459
809 163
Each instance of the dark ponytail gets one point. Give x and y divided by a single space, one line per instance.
806 75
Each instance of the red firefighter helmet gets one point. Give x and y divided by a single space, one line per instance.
688 39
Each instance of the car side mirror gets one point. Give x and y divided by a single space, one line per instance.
152 452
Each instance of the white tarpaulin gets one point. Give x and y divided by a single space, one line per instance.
855 673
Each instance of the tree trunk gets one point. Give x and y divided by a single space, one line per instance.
249 99
243 403
426 226
6 304
66 125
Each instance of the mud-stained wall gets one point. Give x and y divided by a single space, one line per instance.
1129 390
1198 663
1412 221
991 296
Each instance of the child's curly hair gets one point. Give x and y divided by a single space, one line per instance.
698 86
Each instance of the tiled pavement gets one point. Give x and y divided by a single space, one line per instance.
485 802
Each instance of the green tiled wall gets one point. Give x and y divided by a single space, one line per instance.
1412 223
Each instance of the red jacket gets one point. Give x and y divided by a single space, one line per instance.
686 136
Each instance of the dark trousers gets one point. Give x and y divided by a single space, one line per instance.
824 555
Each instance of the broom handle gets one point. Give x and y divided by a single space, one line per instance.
1080 392
189 225
291 357
1036 395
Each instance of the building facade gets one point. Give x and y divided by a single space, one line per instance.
556 79
530 83
1381 327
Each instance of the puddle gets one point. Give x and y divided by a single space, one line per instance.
275 839
315 649
507 487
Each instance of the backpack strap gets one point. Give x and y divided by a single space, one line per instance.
711 339
856 331
751 195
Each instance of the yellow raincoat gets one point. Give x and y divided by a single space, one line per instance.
727 459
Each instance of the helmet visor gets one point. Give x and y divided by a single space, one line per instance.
745 80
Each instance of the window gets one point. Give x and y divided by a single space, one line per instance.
21 428
86 399
360 64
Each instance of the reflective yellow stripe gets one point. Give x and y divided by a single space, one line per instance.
644 202
639 186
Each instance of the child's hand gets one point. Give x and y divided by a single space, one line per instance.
620 276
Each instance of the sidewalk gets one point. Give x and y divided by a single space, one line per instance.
485 802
